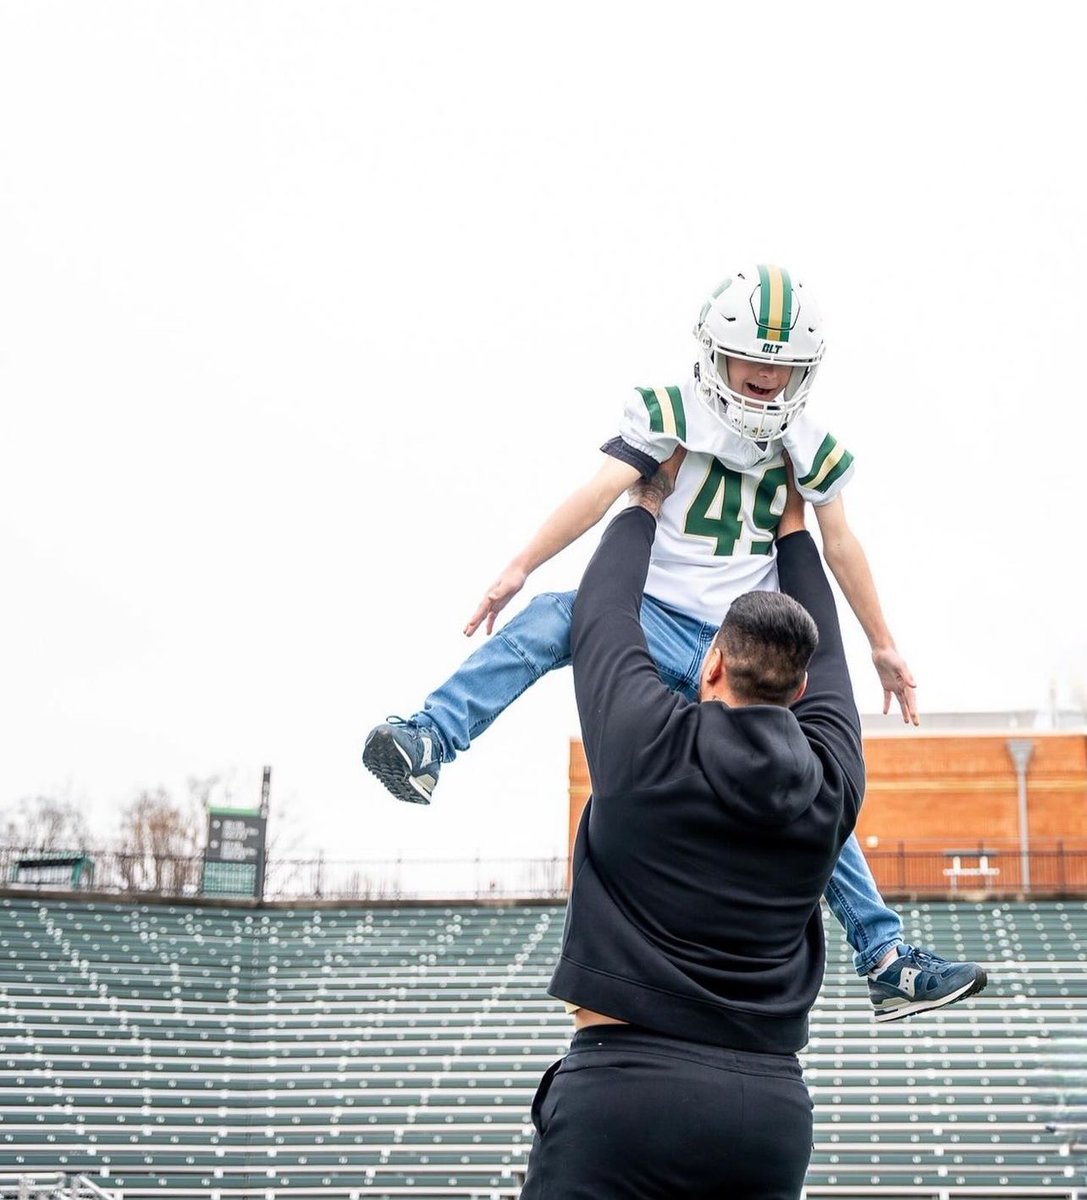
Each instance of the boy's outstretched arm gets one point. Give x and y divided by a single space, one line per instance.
846 558
578 512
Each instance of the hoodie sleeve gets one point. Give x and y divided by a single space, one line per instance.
827 712
622 702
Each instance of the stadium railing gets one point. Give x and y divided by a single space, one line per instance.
948 872
52 1185
922 1192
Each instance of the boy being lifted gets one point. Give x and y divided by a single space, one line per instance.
760 341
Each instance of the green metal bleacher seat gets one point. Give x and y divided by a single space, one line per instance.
393 1051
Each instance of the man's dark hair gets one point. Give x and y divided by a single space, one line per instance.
767 640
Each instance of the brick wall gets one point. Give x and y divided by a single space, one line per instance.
930 795
962 788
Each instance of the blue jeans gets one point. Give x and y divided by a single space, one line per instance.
537 640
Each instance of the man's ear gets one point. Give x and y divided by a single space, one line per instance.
802 689
713 668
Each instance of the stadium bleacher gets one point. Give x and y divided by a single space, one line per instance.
393 1051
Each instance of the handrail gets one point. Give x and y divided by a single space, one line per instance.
51 1185
86 1187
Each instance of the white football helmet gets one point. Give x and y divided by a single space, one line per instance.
761 315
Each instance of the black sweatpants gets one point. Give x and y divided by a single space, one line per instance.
634 1115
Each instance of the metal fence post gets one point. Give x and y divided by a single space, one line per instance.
1021 750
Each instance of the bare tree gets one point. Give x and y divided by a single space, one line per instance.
218 789
160 843
285 830
46 824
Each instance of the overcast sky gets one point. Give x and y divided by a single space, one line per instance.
309 313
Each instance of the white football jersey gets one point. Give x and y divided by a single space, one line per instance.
716 533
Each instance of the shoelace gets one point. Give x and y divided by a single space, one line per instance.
436 750
926 960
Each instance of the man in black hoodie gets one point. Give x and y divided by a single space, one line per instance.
693 948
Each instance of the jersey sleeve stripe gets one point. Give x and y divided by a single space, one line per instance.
844 463
679 420
665 408
652 404
826 447
835 464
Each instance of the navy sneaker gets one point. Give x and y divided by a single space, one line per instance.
405 757
919 980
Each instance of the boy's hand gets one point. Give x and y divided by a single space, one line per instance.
898 681
651 493
499 594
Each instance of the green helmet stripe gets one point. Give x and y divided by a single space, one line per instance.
775 304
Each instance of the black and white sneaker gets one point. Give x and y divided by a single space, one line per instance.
407 758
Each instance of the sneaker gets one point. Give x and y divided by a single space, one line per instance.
405 757
918 980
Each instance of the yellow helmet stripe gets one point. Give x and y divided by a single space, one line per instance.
775 304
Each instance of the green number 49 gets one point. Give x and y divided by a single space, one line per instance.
716 510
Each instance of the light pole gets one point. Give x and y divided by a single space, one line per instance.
262 864
1021 749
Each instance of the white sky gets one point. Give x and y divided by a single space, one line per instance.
309 313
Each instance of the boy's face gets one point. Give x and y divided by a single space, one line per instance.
760 382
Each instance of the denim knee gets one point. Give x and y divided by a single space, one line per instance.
540 633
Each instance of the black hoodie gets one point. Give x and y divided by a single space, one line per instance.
711 831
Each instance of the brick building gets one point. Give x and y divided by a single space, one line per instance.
948 808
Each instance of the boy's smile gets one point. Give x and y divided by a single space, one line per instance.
762 382
756 390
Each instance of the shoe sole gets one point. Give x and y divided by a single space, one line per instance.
382 757
916 1006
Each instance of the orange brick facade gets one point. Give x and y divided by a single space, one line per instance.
964 788
935 801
